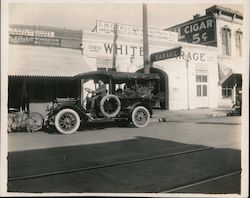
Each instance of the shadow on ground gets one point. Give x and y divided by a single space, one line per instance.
155 175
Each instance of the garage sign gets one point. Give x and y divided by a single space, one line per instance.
171 53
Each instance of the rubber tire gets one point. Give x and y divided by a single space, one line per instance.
76 125
115 113
133 116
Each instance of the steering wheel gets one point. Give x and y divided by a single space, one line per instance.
89 90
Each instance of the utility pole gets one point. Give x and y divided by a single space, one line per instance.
114 48
146 61
186 60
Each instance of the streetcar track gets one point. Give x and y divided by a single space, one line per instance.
108 165
207 180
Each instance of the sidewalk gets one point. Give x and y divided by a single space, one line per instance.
182 115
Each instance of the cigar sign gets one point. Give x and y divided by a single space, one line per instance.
201 31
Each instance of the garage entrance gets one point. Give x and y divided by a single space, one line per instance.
163 85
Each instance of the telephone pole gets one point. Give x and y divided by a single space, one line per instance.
146 61
114 48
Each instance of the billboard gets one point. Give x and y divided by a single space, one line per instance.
200 31
136 31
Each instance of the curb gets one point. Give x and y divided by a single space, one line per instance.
168 118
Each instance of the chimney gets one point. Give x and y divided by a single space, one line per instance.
197 16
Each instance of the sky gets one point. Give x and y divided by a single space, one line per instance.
82 15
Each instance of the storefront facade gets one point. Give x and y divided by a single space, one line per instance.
188 82
223 28
41 72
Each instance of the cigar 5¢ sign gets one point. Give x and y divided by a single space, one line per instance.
200 31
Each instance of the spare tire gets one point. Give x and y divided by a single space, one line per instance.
110 105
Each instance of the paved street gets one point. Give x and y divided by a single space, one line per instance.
152 159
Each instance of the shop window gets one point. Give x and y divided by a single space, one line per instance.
201 86
226 41
226 92
238 37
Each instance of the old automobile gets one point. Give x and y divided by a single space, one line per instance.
128 97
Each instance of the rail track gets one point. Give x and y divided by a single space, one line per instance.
108 164
179 187
202 181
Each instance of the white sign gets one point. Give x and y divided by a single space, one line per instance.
101 48
128 30
30 32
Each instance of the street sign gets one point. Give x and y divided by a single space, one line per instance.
171 53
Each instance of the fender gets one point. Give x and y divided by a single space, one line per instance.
81 112
130 108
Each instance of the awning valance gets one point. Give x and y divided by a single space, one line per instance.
27 60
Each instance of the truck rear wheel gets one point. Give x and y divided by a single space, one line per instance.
140 116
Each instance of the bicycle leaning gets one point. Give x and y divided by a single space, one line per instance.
20 121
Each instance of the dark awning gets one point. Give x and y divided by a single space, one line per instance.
232 80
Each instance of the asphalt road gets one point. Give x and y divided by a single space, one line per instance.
163 166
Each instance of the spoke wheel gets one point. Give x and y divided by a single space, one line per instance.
34 122
67 121
140 117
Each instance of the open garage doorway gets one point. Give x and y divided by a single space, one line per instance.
163 85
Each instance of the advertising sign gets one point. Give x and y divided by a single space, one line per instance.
129 30
31 40
171 53
30 32
199 31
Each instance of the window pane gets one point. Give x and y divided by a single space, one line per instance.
204 90
204 78
198 78
226 41
198 90
226 92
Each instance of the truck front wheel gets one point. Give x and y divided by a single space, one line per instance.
67 121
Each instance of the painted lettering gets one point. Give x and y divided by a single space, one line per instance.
141 51
196 56
108 48
202 57
133 48
119 49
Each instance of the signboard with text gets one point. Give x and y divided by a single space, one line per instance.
31 40
30 32
167 54
200 31
136 31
